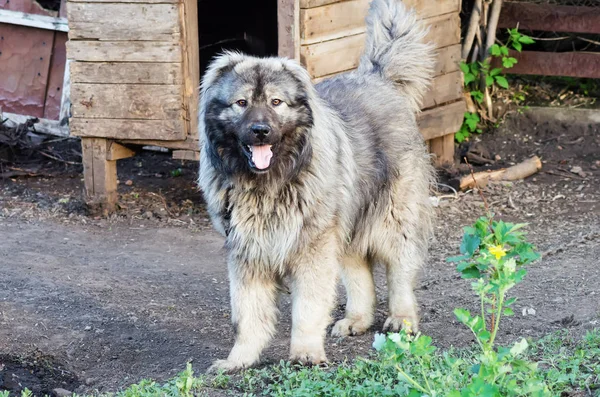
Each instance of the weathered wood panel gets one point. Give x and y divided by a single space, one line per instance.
126 101
443 148
566 64
191 63
550 18
123 22
425 8
123 51
127 1
442 120
338 55
444 88
448 59
186 155
155 130
288 31
126 73
348 18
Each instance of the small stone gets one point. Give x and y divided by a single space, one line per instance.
497 157
61 393
87 328
576 170
129 182
149 214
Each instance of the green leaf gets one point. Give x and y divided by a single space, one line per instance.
379 341
472 272
517 46
477 96
495 71
469 78
508 311
495 50
484 336
469 244
519 347
526 39
464 67
504 50
462 315
510 301
489 80
508 62
502 82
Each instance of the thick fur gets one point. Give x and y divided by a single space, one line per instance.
347 188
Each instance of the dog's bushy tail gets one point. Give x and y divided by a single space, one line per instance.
396 49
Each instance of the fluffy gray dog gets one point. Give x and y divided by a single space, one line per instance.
307 182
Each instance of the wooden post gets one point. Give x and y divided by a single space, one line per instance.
100 157
443 148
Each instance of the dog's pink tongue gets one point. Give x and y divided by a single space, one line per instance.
261 156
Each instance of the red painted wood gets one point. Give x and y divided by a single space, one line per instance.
566 64
550 18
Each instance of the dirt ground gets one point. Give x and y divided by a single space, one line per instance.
89 303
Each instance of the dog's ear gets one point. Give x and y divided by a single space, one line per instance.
222 64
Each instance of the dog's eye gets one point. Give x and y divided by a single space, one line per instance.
276 102
242 103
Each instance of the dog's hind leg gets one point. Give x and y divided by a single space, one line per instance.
314 280
357 277
254 315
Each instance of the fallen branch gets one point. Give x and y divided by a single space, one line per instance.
516 172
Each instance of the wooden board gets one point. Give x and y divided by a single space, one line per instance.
123 22
347 18
99 174
186 155
425 8
127 1
442 120
565 64
155 130
188 144
443 148
191 63
56 77
126 101
123 51
339 55
444 88
288 32
448 59
550 18
126 73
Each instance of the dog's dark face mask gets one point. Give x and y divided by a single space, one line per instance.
257 121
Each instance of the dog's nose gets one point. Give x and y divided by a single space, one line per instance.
260 129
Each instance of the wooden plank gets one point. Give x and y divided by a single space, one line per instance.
442 120
188 144
126 101
151 130
100 175
348 18
448 59
192 155
126 73
116 151
317 3
565 64
550 18
444 88
443 148
191 63
288 31
333 21
123 22
339 55
34 21
123 51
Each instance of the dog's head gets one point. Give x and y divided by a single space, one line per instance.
255 115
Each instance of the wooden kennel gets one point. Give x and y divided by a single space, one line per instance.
135 67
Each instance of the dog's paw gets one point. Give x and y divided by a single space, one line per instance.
308 357
348 326
396 323
225 366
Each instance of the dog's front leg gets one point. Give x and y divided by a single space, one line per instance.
314 280
253 313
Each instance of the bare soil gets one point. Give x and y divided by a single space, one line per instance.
90 303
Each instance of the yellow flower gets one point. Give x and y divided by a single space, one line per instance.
497 251
407 326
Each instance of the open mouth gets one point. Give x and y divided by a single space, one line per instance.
259 156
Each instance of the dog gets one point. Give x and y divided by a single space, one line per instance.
308 183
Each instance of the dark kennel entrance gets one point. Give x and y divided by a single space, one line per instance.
241 25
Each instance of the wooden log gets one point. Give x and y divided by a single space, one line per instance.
123 22
516 172
126 101
123 51
566 64
288 31
442 120
550 18
99 175
126 73
116 151
151 130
